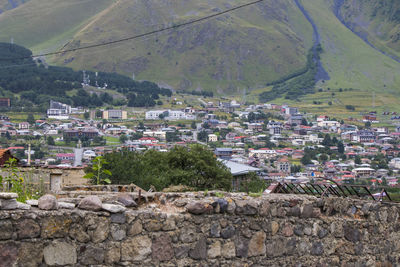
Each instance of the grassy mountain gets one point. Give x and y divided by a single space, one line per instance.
247 48
10 4
378 21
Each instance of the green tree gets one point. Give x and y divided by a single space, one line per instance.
357 160
30 119
306 159
202 136
340 147
195 167
327 140
123 138
252 183
50 141
86 115
193 125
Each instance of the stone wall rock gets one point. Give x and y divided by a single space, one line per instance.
273 230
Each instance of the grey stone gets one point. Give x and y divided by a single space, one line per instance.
8 254
228 232
55 226
276 247
246 207
352 234
188 235
242 247
215 230
228 250
118 232
257 244
23 206
264 208
291 246
9 204
48 202
27 228
181 251
274 227
317 249
5 195
298 230
215 250
199 252
32 202
169 224
90 203
220 206
113 208
161 248
231 207
126 200
136 228
118 218
6 229
77 232
100 233
198 208
113 254
30 254
322 233
307 211
66 205
59 253
153 226
294 211
136 248
92 255
287 230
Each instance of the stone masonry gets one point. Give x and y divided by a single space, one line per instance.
190 229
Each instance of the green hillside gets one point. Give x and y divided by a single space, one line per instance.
43 25
247 48
6 5
378 21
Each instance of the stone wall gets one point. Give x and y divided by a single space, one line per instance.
196 230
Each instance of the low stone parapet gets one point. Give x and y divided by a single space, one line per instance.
194 229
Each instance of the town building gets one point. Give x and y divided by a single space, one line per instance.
58 111
115 114
212 138
5 102
283 165
81 133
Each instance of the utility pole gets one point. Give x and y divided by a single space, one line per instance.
29 154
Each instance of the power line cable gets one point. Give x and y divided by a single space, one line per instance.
139 35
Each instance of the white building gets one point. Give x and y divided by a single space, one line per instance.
58 111
262 154
169 115
328 124
212 138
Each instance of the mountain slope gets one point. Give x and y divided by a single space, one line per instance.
349 60
6 5
43 25
246 48
374 20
